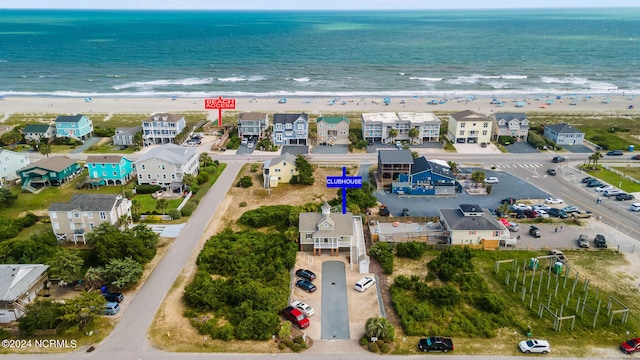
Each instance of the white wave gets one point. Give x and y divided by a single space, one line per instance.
513 77
302 79
425 78
571 80
114 76
401 73
48 76
147 85
3 60
243 78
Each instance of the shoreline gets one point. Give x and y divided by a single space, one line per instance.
321 104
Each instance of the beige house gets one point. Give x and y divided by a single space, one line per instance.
19 285
469 127
471 225
511 124
279 170
162 128
72 220
166 165
333 130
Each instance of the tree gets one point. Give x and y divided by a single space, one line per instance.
109 242
40 315
94 277
414 133
162 204
7 198
478 176
393 133
67 264
189 180
124 221
138 141
10 137
123 273
80 311
44 148
453 167
380 328
136 206
205 159
595 157
305 171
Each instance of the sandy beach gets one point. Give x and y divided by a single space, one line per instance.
623 104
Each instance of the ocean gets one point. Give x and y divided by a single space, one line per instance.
319 53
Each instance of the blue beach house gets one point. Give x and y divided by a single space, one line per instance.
53 171
109 169
77 127
426 178
290 129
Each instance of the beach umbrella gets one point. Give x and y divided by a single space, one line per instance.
606 100
550 101
282 100
543 106
521 104
387 101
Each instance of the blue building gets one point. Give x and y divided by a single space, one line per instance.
77 127
109 169
290 129
426 178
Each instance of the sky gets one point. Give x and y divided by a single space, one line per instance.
308 4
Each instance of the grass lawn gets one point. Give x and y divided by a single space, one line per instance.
617 180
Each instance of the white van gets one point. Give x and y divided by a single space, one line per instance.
365 283
635 207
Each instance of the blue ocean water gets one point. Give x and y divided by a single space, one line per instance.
323 53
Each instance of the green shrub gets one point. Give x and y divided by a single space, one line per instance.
403 282
285 330
188 208
288 342
411 249
385 348
296 347
225 332
245 182
190 313
243 204
175 214
128 193
28 220
383 252
364 341
147 189
202 178
282 346
373 347
298 340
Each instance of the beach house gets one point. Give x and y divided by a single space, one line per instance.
166 165
426 178
279 170
515 125
376 126
252 125
469 127
73 220
393 163
470 225
290 129
333 130
426 124
563 134
19 286
53 171
10 163
77 127
162 128
126 136
109 169
39 132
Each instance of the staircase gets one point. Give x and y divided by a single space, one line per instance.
27 187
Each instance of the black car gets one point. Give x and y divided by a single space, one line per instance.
113 297
624 196
594 183
509 200
306 274
551 172
600 241
306 285
558 159
587 179
615 153
555 212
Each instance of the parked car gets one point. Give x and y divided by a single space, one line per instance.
624 196
435 343
542 213
635 207
306 274
559 255
615 153
553 212
583 241
570 209
586 180
600 241
306 285
630 346
244 141
603 188
306 309
365 283
296 317
509 200
611 192
534 231
531 214
581 214
552 200
511 226
111 308
635 157
594 183
491 180
534 346
544 207
521 206
551 172
405 212
558 159
113 297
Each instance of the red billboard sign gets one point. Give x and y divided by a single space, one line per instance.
219 104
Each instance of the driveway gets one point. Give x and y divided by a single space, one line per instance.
335 323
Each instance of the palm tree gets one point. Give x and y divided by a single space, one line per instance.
595 157
136 206
453 167
94 277
413 134
380 328
162 204
478 176
393 133
44 148
205 159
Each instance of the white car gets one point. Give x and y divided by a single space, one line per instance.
244 141
491 180
535 346
543 214
553 200
543 207
365 283
635 207
306 309
520 206
603 188
611 192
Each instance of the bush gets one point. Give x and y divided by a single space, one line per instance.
188 208
298 340
245 182
364 341
411 250
147 189
202 178
403 282
282 346
243 204
373 347
383 252
385 348
28 220
175 214
225 332
296 347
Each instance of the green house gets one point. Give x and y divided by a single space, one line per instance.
53 171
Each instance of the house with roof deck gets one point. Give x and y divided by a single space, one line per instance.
471 225
469 127
53 171
39 132
109 169
563 134
511 124
427 177
252 125
279 170
166 165
426 124
78 127
126 136
290 129
19 286
73 220
376 126
392 164
10 163
333 130
162 128
333 231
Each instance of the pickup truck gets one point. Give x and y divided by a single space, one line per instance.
435 343
581 214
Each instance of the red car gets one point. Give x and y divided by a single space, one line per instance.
635 157
630 346
296 317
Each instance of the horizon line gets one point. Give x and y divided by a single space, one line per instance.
334 9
